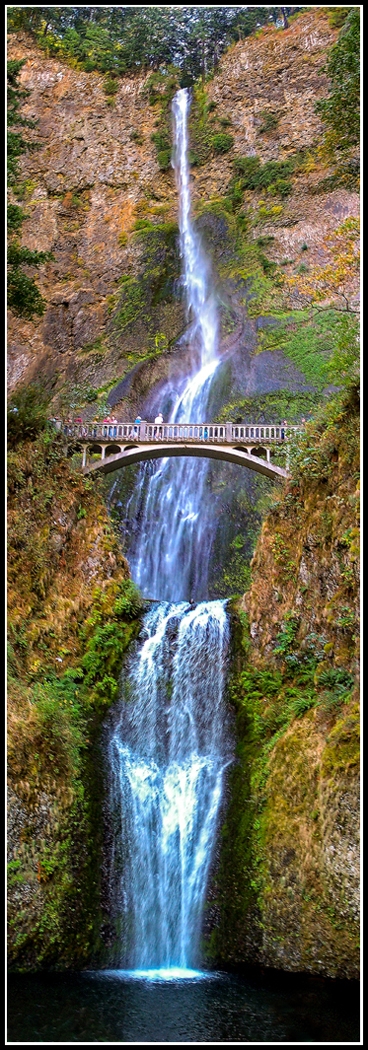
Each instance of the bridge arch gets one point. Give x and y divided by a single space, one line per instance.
112 449
262 453
94 449
138 453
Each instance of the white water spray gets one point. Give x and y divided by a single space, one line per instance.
168 752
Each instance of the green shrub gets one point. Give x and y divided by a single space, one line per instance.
281 188
270 121
161 139
272 175
111 86
222 142
136 137
14 217
23 296
337 16
27 414
164 159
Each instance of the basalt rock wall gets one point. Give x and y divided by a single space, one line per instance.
94 180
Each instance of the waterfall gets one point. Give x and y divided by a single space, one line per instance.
168 749
170 553
169 742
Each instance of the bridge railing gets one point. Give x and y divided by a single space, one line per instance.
214 433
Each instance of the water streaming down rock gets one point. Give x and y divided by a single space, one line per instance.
169 743
168 749
170 553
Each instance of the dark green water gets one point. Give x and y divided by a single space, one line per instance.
108 1006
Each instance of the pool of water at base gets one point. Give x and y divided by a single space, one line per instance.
117 1006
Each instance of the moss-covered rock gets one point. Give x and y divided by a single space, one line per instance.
72 612
285 893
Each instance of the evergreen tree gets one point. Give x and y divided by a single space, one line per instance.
23 295
340 110
119 39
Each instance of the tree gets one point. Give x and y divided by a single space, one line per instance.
340 111
26 413
329 293
122 38
332 283
23 296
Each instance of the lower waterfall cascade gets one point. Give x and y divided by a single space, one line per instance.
169 747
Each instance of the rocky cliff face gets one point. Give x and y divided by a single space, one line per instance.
94 181
69 594
288 887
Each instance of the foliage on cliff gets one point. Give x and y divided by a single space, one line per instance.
72 611
340 111
288 880
115 40
23 295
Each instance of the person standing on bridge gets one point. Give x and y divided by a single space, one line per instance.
137 422
159 420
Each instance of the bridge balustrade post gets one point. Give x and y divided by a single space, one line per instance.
143 430
229 432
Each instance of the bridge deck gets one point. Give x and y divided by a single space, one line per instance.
119 444
216 433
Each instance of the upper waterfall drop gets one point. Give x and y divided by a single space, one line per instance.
200 303
169 557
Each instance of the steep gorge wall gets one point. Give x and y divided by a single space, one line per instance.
287 889
95 175
72 612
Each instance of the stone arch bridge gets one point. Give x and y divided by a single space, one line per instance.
108 446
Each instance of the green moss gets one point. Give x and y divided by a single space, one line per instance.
342 750
270 120
200 128
106 635
271 408
143 299
160 89
308 338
